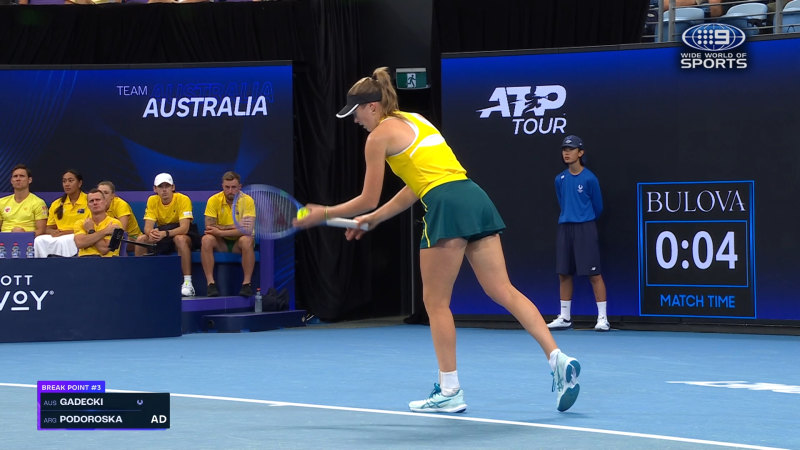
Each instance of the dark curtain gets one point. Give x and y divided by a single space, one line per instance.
335 279
333 275
319 36
478 25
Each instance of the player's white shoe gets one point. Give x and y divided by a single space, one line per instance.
565 381
560 324
602 324
187 290
439 403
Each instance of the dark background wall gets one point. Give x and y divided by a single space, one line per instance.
332 43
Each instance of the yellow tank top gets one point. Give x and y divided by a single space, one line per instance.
428 162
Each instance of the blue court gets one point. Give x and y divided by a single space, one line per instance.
348 385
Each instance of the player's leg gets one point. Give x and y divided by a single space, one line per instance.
208 245
488 262
246 246
144 239
183 246
565 266
587 262
598 287
439 266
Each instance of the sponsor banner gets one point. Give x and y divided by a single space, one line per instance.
53 299
126 124
643 120
696 249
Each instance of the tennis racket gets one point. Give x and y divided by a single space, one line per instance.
267 212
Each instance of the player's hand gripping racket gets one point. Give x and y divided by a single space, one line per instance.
274 210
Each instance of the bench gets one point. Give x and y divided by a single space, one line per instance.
227 265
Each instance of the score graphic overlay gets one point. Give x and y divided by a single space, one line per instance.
86 405
696 249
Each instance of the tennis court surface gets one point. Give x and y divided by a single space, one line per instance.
347 386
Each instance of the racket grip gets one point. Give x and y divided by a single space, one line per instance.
346 223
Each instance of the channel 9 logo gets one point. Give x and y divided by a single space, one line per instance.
713 37
713 42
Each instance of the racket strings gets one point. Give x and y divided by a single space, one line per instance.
275 212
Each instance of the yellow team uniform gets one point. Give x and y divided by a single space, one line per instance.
72 212
23 214
78 229
120 208
179 208
218 208
428 162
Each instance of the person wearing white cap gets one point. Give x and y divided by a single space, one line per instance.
168 224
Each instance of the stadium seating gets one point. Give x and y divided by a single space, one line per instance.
791 17
748 17
684 18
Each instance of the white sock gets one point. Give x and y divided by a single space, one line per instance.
565 308
553 359
187 279
448 382
601 310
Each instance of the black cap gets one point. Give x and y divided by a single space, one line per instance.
358 99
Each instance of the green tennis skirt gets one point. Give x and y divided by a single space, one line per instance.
459 209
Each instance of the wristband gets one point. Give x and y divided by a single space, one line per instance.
326 213
167 235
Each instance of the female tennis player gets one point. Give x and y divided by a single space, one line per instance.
460 220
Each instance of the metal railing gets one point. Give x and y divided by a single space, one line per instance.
660 25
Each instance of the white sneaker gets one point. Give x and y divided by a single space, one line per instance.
565 381
187 290
602 324
439 403
560 324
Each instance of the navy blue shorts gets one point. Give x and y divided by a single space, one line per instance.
577 249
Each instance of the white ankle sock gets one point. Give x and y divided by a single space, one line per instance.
187 279
553 359
601 310
448 382
565 309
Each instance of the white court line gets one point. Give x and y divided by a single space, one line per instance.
446 417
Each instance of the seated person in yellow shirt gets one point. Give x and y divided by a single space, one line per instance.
100 225
222 236
120 210
22 210
64 212
168 224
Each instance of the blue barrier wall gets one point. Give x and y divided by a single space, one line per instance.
56 299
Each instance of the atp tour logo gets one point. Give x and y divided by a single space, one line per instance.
713 40
517 102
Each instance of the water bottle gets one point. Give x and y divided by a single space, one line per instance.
259 306
15 250
2 250
29 250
